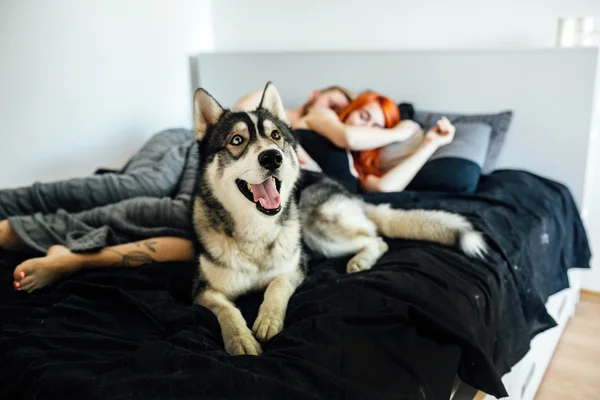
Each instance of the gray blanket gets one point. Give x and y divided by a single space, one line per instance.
149 197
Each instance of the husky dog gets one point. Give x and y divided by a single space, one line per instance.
249 221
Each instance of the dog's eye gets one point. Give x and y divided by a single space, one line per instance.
275 135
236 140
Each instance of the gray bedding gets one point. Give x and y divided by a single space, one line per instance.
149 197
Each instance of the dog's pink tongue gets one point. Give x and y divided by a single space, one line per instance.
266 193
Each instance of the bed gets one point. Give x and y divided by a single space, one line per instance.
424 316
550 90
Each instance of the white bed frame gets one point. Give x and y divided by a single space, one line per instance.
553 93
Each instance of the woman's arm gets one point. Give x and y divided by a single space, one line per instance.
396 179
356 138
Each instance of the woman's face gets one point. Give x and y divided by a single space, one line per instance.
369 115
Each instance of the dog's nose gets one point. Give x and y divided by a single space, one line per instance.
270 159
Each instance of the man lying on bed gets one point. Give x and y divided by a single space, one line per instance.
96 221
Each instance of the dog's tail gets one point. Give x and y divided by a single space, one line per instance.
434 226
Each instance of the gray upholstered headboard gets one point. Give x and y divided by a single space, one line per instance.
551 92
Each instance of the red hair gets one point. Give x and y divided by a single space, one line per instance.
366 162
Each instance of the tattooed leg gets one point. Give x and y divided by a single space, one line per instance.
135 258
39 272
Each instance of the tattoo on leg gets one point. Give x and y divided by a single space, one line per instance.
149 245
132 259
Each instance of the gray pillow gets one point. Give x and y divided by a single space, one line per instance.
471 142
499 124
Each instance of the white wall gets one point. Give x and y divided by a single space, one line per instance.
391 24
591 279
84 83
402 24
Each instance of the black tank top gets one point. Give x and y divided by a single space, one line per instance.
332 160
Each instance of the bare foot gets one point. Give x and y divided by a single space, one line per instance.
36 273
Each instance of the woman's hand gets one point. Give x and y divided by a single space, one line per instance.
442 133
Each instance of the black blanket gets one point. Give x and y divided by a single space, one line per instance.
400 331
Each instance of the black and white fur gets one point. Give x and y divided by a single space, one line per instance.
246 247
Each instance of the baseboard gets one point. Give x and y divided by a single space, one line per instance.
589 295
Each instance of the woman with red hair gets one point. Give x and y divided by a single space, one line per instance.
367 129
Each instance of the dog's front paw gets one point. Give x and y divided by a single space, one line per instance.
268 323
242 344
358 263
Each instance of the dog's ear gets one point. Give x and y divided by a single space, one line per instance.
207 112
272 102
